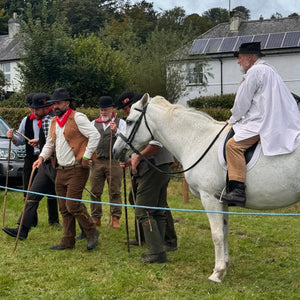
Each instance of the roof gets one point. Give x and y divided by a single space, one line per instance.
10 48
272 33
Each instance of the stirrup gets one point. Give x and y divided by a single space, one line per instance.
221 196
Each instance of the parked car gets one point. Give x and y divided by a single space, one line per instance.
17 155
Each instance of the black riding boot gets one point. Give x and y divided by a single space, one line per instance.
237 195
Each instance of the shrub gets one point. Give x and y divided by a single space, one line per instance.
217 101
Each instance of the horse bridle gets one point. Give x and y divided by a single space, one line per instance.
135 128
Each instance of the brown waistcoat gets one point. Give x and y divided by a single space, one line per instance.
76 140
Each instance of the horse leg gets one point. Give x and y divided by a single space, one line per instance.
219 231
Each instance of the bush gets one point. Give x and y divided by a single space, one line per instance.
216 101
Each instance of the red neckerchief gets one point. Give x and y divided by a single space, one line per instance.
39 122
99 120
31 116
61 121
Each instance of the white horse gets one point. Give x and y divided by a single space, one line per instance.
273 182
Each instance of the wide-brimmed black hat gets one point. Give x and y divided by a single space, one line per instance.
29 99
126 98
105 101
40 100
60 94
249 48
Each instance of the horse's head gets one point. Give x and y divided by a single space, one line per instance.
137 133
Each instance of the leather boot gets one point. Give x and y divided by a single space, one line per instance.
14 232
154 243
237 197
115 222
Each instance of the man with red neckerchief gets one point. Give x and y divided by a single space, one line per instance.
74 140
45 178
30 128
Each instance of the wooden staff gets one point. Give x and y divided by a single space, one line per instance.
21 134
6 183
136 220
25 203
126 215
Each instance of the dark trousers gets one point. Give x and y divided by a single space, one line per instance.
51 201
43 182
70 184
151 190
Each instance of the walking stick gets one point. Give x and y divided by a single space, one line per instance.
136 220
25 203
126 215
6 183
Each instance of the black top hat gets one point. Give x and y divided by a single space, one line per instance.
60 94
29 99
40 100
126 98
105 101
249 48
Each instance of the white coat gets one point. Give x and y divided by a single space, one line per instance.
264 106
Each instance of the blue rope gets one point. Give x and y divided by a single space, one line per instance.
161 208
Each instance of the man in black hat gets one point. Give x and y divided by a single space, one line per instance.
104 168
29 128
264 110
44 180
73 139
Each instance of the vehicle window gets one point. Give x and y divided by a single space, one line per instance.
3 128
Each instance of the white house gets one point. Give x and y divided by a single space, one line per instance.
10 49
280 42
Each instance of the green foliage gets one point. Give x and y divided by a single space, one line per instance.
215 101
3 19
47 61
13 116
217 15
99 70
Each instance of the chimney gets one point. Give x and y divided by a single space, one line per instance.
13 26
237 17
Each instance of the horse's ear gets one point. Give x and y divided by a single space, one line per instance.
145 99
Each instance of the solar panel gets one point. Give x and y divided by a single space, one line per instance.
228 44
262 38
275 40
243 39
291 39
198 46
213 45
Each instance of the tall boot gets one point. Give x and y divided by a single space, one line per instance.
154 243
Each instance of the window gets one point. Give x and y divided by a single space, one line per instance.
6 70
195 73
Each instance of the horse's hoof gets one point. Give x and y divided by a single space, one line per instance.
214 279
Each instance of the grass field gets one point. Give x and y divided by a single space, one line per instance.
265 259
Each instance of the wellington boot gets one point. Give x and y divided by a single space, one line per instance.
153 237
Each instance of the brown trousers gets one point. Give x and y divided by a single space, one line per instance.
70 183
235 157
100 172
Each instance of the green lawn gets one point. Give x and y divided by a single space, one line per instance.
265 259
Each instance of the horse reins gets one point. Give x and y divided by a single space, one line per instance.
135 129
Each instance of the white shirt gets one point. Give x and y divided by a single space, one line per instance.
122 125
264 106
64 153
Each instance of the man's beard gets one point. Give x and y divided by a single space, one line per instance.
105 118
59 112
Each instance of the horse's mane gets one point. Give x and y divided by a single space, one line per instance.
170 108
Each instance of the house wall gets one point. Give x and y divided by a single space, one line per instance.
14 84
285 64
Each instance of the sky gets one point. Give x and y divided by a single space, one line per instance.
257 7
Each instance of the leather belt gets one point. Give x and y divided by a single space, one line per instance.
68 167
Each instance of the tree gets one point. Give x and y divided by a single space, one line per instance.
99 70
196 25
216 15
277 15
244 10
45 64
171 19
3 21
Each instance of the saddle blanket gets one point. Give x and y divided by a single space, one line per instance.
251 162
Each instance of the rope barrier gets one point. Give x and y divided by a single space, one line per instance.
162 208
